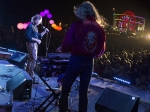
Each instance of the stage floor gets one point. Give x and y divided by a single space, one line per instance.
39 92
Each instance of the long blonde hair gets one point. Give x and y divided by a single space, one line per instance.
87 8
37 16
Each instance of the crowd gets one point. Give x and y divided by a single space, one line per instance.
127 59
11 40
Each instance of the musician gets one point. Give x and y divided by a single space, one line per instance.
84 40
33 39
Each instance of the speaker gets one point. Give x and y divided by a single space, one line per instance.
112 100
20 85
18 59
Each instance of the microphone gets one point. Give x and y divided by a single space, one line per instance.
45 29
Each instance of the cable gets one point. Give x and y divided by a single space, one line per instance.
26 104
10 70
35 93
34 98
123 85
2 94
75 95
5 76
136 90
143 104
145 101
29 104
55 104
51 109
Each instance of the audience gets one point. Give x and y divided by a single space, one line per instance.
128 63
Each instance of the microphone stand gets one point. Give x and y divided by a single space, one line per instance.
47 42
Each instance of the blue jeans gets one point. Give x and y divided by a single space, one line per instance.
78 66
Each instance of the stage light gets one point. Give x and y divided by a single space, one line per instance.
59 24
122 80
53 25
42 14
20 26
51 21
49 16
147 36
59 28
25 25
113 9
46 11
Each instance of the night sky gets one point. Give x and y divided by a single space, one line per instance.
15 11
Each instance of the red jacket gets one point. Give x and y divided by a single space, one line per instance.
85 38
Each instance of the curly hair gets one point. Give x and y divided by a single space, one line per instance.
37 16
87 8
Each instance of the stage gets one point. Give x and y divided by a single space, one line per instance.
40 92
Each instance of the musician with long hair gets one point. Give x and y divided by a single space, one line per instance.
84 40
33 39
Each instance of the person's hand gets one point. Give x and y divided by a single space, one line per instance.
38 41
58 49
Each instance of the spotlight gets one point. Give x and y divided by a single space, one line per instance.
20 26
46 11
49 16
42 14
51 21
122 80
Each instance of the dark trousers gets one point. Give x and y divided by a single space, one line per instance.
78 66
